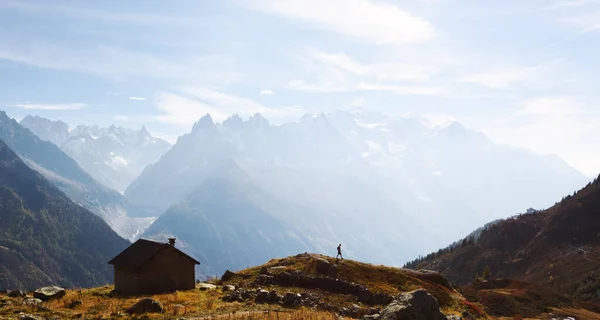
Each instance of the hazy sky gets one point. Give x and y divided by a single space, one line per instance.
525 72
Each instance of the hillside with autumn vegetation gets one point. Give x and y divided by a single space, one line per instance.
557 248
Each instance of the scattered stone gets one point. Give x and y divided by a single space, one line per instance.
229 287
292 300
415 305
228 275
32 302
49 293
146 306
16 294
206 286
371 317
453 317
25 316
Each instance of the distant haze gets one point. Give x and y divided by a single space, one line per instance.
522 72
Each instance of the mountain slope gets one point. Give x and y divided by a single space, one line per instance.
44 236
47 159
114 156
558 248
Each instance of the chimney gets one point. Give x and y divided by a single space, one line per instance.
172 241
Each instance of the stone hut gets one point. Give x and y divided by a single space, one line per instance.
148 267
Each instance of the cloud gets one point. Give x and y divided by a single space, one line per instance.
379 71
266 92
551 107
544 75
371 21
117 62
586 22
75 12
198 101
328 73
51 107
137 98
571 4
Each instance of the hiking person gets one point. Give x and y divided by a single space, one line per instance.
339 248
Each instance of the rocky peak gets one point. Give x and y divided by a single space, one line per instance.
205 123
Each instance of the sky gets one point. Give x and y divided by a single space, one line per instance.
524 72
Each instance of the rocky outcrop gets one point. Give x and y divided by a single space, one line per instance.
228 275
16 294
49 293
415 305
292 300
299 280
146 306
323 267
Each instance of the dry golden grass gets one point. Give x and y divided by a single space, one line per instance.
101 303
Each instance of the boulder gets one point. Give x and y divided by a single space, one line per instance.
206 286
228 275
16 294
228 287
415 305
274 297
323 266
31 302
233 297
292 300
261 296
49 293
146 305
25 316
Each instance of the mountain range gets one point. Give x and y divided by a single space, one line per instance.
45 238
114 156
370 181
65 173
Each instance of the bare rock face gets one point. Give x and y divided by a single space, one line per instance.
146 306
415 305
228 275
49 293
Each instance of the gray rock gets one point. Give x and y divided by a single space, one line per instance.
261 296
324 267
228 287
453 317
16 294
371 317
146 306
233 297
49 293
206 286
415 305
292 300
32 302
274 297
25 316
228 275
